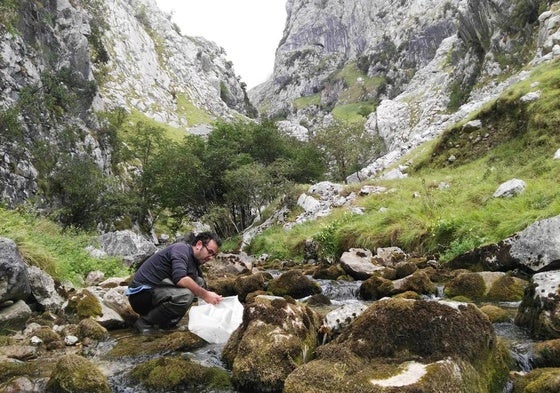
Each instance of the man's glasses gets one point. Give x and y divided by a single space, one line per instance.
209 251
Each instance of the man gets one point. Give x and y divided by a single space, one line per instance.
165 285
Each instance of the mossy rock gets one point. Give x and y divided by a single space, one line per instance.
171 373
275 337
418 282
470 285
540 380
327 271
12 369
547 353
73 373
84 304
431 330
47 335
244 285
138 345
90 328
224 286
295 284
405 268
496 314
376 287
349 373
507 289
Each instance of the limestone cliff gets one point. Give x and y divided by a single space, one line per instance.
62 62
406 67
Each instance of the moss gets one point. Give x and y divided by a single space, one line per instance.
173 372
547 353
506 289
419 282
50 338
470 285
542 380
293 283
375 288
84 304
246 284
88 327
154 344
495 313
277 335
15 369
403 326
74 373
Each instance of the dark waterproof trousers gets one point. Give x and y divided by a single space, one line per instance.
163 305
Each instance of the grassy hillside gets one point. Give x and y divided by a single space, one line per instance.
61 253
446 207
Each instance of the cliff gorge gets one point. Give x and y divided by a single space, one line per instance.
406 67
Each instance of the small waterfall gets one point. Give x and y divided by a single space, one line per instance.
339 291
519 344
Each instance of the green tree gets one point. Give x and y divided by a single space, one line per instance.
347 147
76 184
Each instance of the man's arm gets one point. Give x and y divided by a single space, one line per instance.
198 291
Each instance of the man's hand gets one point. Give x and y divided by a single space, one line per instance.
212 297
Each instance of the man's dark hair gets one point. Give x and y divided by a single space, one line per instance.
205 237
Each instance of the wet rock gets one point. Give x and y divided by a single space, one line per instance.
547 353
542 380
172 374
486 286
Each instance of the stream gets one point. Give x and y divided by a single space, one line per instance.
340 293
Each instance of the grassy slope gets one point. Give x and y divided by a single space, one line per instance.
517 140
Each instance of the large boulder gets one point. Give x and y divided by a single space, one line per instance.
539 310
408 346
275 337
535 249
14 284
133 248
358 264
43 289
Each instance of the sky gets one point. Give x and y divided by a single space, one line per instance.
248 30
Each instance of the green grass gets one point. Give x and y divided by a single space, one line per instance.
421 217
61 254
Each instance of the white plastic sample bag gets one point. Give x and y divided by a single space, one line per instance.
215 323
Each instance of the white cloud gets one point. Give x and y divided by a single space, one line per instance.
248 30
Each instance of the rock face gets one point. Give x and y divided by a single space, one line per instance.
410 65
94 57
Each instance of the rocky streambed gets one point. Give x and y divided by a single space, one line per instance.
387 322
